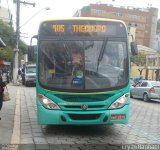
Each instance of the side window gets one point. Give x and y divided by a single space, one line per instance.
144 84
138 84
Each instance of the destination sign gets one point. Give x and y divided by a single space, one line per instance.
81 28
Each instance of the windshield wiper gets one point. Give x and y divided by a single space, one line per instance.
102 51
59 37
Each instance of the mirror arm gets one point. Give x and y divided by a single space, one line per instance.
33 37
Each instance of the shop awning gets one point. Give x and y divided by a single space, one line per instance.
5 63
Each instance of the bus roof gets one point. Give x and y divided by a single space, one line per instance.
85 18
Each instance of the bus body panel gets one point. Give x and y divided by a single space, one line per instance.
63 116
46 116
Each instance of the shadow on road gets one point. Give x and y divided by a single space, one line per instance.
80 130
150 101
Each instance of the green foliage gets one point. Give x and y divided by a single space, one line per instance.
139 60
86 8
8 35
23 47
7 54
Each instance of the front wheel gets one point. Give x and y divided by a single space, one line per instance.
145 97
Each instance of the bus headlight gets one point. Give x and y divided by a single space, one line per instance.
47 103
119 102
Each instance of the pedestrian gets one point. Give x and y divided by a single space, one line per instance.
2 85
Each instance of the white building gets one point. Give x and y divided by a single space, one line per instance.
5 15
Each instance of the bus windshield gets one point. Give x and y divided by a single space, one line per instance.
83 64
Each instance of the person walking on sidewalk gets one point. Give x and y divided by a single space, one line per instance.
2 85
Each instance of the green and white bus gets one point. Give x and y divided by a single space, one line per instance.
83 72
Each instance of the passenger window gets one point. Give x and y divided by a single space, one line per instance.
138 84
144 84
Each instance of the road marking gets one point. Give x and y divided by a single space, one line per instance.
16 128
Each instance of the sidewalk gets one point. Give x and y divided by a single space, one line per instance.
7 116
19 125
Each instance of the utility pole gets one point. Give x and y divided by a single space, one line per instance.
16 50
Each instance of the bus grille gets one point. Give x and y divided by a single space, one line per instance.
84 116
84 98
80 107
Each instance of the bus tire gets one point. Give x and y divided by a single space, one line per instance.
131 95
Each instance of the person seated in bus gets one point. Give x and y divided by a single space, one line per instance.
77 63
78 72
77 79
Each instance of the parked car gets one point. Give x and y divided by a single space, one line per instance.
28 74
146 90
132 82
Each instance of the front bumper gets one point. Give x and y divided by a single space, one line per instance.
154 96
59 117
31 81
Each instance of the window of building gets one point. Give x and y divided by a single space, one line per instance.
117 14
96 11
134 16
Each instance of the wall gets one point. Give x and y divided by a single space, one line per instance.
4 14
144 20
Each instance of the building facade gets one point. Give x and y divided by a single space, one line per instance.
144 20
5 15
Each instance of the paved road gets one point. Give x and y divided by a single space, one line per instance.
143 126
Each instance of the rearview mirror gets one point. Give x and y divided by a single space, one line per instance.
32 50
134 48
33 37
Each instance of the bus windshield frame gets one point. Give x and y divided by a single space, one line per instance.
75 61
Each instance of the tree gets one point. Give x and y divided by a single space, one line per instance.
8 35
139 60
